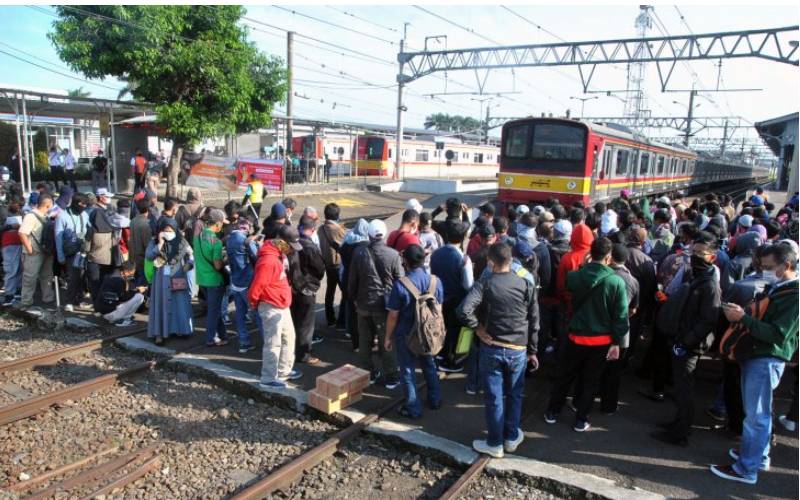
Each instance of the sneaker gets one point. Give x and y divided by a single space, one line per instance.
246 348
549 349
8 300
481 446
450 369
581 426
292 375
729 473
69 308
391 383
510 446
571 405
347 335
765 462
374 376
316 340
787 423
125 322
274 383
716 415
471 392
550 417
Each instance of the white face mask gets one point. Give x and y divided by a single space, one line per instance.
4 177
769 275
168 236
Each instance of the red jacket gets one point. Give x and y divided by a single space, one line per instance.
580 243
270 283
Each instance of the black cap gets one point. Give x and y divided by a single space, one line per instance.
290 235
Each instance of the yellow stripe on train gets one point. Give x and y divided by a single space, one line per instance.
551 184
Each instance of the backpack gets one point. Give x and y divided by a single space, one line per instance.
737 344
426 337
670 315
47 244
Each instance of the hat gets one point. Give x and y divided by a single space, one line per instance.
523 209
414 254
139 195
538 209
104 192
216 215
278 211
563 228
290 235
745 220
486 231
523 249
546 217
625 193
377 229
414 204
664 199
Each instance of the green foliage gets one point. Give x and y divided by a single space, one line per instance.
79 92
451 123
194 63
41 162
40 141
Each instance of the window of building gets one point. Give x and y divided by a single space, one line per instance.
421 155
465 156
403 153
477 158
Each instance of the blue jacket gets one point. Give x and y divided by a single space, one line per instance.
69 226
241 258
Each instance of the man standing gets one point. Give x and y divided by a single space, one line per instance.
774 338
37 262
69 168
102 241
141 235
694 335
271 294
56 162
331 235
306 270
208 259
139 167
508 333
373 271
406 235
399 323
599 322
242 252
254 195
99 167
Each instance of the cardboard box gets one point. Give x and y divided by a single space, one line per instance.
341 381
328 405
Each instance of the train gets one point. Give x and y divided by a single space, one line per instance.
374 155
575 160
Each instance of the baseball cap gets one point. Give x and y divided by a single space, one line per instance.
563 227
216 215
278 211
377 229
290 235
104 192
538 209
523 249
625 193
523 209
745 220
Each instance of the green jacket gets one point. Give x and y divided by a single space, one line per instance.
599 302
775 334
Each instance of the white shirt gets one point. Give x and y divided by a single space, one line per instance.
69 161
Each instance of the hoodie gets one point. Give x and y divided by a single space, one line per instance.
600 302
270 283
580 243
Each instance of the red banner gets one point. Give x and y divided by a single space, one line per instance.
268 171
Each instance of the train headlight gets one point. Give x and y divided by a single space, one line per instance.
508 180
571 185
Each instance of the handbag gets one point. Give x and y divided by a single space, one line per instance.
465 338
178 284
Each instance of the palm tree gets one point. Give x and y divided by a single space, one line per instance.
79 92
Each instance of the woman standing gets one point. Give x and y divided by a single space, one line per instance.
170 293
355 238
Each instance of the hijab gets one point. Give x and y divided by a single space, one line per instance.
357 234
171 248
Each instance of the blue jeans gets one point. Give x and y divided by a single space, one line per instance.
760 376
503 372
226 301
408 363
242 308
12 269
214 325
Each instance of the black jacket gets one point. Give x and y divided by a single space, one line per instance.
347 251
372 274
508 302
701 313
306 268
557 249
643 269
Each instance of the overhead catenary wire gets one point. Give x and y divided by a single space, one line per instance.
339 26
368 21
51 70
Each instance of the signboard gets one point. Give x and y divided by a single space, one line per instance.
214 173
268 171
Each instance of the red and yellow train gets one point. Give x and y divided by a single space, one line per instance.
574 160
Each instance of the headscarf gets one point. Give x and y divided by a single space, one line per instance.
171 248
358 234
194 200
761 230
65 197
608 222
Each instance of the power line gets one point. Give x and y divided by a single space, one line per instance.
89 82
465 28
536 25
339 26
369 21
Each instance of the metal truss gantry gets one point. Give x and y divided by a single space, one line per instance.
676 122
774 44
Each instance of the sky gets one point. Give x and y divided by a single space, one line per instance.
333 85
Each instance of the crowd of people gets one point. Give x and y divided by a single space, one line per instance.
592 293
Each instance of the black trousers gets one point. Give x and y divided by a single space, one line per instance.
96 273
57 173
70 177
584 364
302 310
332 276
551 325
138 181
683 369
793 410
609 383
732 394
657 361
452 328
76 284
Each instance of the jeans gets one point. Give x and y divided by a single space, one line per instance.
332 274
12 269
242 308
277 355
225 303
125 309
371 325
408 361
503 373
760 376
473 366
351 321
75 283
214 325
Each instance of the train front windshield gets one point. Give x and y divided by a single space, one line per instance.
371 148
557 148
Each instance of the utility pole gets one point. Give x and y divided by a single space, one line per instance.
689 117
289 91
486 126
400 107
724 139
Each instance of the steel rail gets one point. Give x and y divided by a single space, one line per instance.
60 471
132 476
32 406
288 473
461 484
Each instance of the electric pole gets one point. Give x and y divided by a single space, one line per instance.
400 107
289 93
724 140
689 117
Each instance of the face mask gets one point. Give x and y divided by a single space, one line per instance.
4 177
699 264
769 275
77 208
168 236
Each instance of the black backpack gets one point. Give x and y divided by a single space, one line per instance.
47 243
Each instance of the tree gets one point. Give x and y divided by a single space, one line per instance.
79 92
193 63
444 122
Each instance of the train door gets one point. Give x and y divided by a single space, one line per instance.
603 176
642 172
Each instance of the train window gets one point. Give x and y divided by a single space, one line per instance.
660 168
390 152
623 156
674 165
516 141
683 167
477 158
421 155
558 142
645 162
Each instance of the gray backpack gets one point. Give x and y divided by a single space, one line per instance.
426 337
